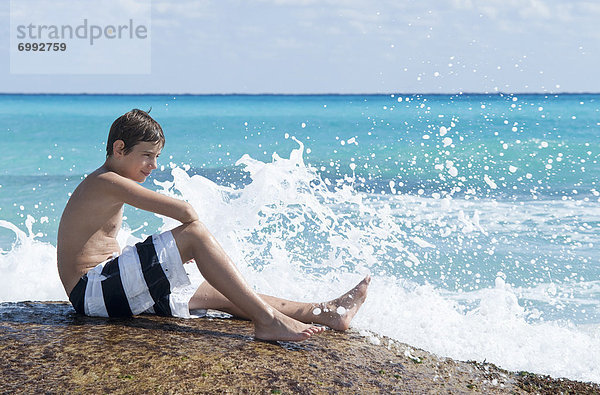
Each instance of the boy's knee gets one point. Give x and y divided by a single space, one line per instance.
187 233
197 229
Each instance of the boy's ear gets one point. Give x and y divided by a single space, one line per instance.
119 147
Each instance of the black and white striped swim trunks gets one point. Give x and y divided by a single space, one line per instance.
143 279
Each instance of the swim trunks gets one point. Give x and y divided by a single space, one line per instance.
143 279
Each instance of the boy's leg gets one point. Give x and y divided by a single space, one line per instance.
326 313
194 241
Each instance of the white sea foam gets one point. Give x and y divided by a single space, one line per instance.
28 269
294 237
495 329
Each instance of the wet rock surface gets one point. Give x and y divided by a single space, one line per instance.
47 348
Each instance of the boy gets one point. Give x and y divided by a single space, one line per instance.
103 281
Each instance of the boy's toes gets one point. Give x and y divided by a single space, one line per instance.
313 330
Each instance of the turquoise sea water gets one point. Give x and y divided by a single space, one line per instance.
489 202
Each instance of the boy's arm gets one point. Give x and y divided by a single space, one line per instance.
130 192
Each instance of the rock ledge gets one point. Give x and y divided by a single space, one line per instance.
46 348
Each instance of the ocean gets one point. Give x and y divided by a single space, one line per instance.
477 215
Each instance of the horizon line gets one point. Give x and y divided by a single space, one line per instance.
297 94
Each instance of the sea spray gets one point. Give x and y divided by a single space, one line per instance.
495 329
28 269
294 236
435 261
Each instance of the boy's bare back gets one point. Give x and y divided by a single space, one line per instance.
88 228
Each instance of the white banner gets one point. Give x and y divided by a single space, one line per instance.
80 37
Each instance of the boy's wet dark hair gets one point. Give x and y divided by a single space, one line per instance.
134 127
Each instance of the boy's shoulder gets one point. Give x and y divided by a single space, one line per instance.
113 187
107 178
103 183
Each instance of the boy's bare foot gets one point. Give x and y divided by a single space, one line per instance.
285 328
338 313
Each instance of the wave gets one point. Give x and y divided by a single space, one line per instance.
295 236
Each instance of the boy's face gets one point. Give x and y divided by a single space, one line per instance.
139 163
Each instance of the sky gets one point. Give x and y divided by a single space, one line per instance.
345 46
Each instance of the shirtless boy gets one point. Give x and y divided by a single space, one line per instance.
101 280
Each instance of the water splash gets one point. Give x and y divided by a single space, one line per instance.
447 275
28 269
297 235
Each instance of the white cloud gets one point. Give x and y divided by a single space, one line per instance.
175 10
530 10
357 45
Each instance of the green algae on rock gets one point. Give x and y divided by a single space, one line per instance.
46 347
